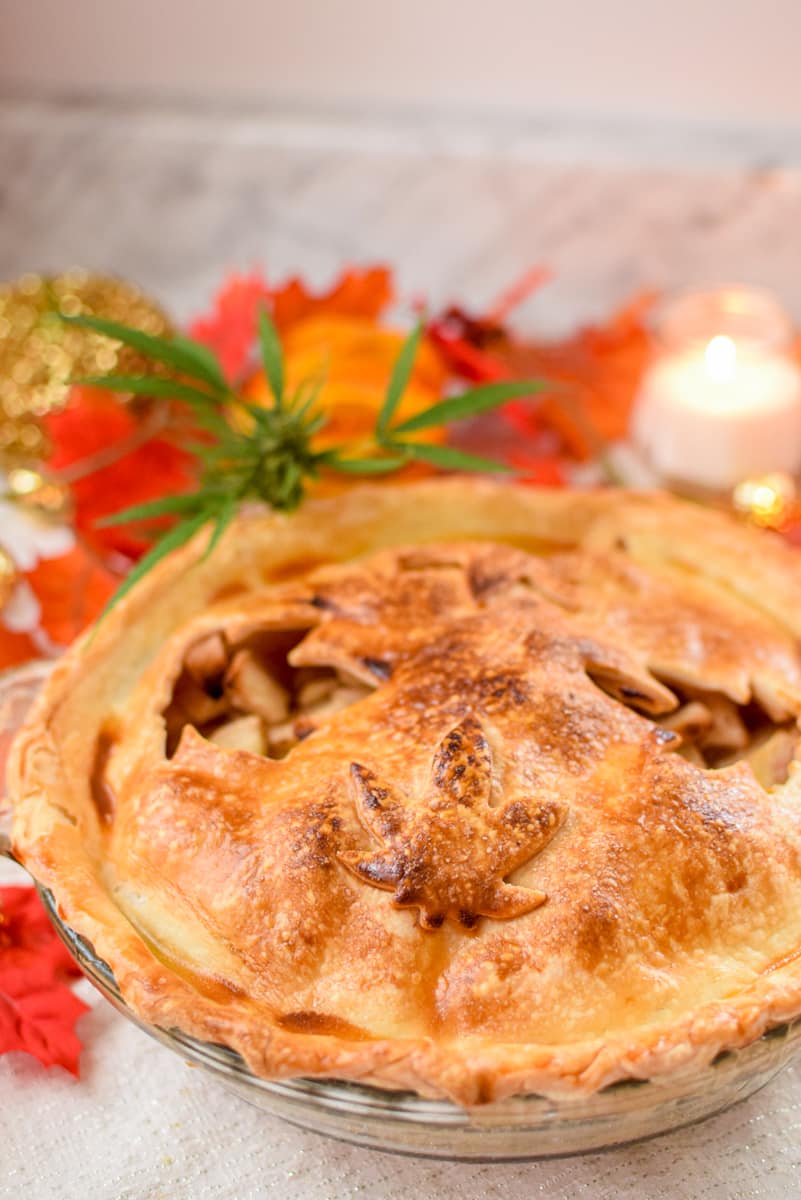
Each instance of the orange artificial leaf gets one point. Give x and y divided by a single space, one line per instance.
72 591
598 371
15 648
354 358
359 292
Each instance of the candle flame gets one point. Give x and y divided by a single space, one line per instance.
720 359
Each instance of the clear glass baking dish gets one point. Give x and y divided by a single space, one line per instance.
524 1127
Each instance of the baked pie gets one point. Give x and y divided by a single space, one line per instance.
458 787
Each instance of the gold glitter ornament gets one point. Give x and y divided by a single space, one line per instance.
8 577
39 353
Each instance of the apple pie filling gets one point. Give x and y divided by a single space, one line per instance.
249 697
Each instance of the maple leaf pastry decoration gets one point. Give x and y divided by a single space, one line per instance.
448 850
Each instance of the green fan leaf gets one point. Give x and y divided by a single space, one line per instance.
148 385
272 356
450 458
399 379
170 352
367 466
224 518
215 424
306 396
470 404
150 510
205 359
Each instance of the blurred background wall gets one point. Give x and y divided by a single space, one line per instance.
730 62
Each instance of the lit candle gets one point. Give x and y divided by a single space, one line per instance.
722 400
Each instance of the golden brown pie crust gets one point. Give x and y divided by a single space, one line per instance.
518 860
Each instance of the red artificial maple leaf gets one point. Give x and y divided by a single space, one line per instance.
95 421
38 1010
539 470
230 328
27 939
37 1016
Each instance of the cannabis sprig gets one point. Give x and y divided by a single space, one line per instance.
267 453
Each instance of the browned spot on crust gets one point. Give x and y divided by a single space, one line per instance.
228 592
103 797
322 1023
597 927
214 987
293 569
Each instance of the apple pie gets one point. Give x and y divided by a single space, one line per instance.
458 787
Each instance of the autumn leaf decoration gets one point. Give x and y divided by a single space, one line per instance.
447 851
38 1010
248 451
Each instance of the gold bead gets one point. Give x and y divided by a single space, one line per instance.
22 482
766 500
37 493
39 353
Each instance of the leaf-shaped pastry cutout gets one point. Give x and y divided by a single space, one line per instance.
446 851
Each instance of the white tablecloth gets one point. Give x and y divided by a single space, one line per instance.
141 1125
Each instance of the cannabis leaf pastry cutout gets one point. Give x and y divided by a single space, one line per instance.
447 851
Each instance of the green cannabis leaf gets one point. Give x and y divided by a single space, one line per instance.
251 452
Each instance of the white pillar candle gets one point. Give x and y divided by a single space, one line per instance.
715 409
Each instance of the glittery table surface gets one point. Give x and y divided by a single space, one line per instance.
173 200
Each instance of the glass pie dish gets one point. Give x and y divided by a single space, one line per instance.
519 1128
